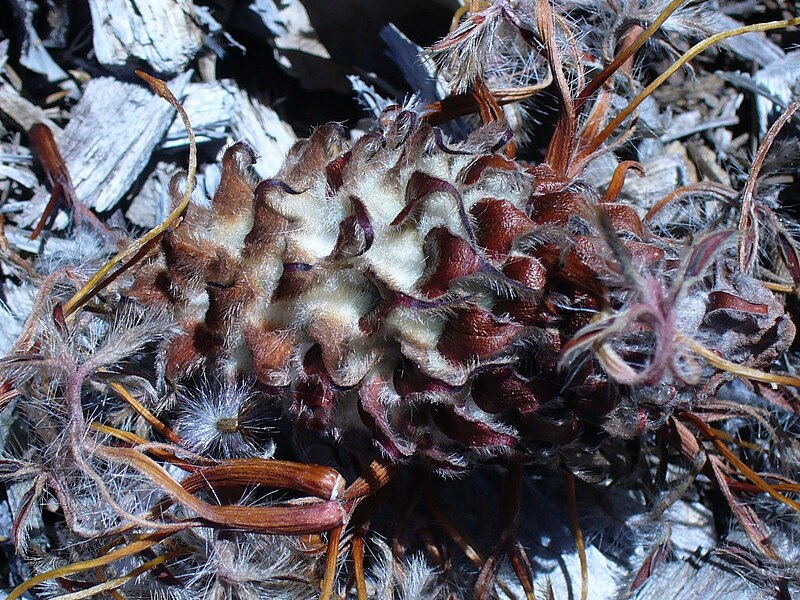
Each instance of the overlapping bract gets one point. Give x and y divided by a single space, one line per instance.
445 301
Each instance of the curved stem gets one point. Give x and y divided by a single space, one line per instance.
577 533
689 55
626 53
746 217
106 274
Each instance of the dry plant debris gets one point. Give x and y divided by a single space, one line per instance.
482 299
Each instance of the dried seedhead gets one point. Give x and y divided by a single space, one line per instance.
418 303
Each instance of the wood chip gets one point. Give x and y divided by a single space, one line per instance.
22 176
291 26
21 111
3 53
780 80
162 33
113 132
421 74
752 46
33 54
151 204
211 107
297 47
221 110
260 126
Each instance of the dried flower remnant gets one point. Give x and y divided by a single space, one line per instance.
419 301
224 421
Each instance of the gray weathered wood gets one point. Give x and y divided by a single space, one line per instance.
3 53
780 80
162 33
220 110
260 126
109 140
22 176
210 107
289 22
21 111
297 47
33 54
150 205
420 72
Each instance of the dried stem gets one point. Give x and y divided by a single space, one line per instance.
154 422
106 274
577 533
746 372
747 218
131 549
331 563
687 56
358 565
46 150
737 462
626 53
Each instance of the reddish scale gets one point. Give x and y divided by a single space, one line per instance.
333 346
194 215
334 171
474 334
420 186
624 218
644 254
375 415
548 355
222 270
570 266
524 311
537 402
589 250
225 305
228 293
414 146
527 271
547 181
234 196
557 208
343 170
493 162
404 125
731 312
312 405
471 432
389 300
411 383
437 457
187 261
575 320
447 257
189 351
313 398
271 350
268 226
152 287
313 156
721 300
560 430
355 233
595 397
295 281
500 388
498 223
